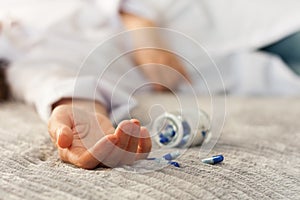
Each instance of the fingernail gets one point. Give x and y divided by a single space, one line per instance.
136 122
58 132
127 127
136 128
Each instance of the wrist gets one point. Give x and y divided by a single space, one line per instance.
87 105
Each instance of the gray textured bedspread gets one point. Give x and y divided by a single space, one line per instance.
260 142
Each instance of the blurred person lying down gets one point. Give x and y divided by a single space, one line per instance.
45 55
81 104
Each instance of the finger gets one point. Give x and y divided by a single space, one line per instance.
73 156
123 132
135 134
97 154
63 154
145 144
59 128
116 154
130 152
88 159
114 158
70 155
64 137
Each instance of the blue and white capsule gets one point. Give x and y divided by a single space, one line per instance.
172 155
175 164
213 160
164 161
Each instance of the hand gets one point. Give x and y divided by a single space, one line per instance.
158 66
88 139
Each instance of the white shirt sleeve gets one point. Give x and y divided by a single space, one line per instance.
42 84
46 71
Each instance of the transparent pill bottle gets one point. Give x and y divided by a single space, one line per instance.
181 129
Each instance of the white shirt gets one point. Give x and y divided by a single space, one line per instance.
54 38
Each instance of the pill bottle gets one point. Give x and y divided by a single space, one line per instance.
181 129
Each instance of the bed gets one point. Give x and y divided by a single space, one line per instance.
260 143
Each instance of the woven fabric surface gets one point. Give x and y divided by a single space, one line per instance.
260 143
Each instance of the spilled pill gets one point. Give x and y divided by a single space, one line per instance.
175 164
164 161
167 159
172 155
213 160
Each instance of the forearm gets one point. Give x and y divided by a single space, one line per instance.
149 49
143 38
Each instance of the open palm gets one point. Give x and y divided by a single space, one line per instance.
88 139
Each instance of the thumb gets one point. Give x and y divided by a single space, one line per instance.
64 136
59 128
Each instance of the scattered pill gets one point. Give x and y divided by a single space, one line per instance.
172 155
175 164
214 159
164 161
167 159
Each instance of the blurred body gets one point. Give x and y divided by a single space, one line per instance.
47 52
